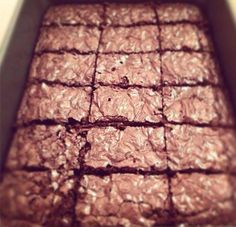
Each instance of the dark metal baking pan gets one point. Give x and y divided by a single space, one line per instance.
16 61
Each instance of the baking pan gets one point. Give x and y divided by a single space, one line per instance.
16 61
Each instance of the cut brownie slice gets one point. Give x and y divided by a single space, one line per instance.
58 103
80 38
44 198
130 39
85 14
64 68
136 147
122 200
129 14
189 68
191 147
178 12
50 147
132 104
196 104
204 199
133 69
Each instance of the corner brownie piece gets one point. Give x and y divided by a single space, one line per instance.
44 146
196 105
80 38
42 102
129 39
178 12
132 104
137 147
204 199
191 147
132 69
65 68
129 14
189 68
86 14
122 200
44 198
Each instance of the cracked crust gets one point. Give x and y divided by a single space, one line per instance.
50 147
132 104
122 200
137 147
58 103
64 68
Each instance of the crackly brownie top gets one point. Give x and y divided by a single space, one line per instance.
86 14
122 200
60 103
132 104
51 147
137 147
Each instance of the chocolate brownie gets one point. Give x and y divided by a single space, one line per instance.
137 147
80 38
44 198
58 103
70 69
132 69
30 148
204 199
191 147
132 104
122 200
129 14
17 223
189 68
129 39
86 14
196 104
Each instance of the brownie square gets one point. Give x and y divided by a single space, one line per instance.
64 68
191 147
132 104
59 103
86 14
204 199
178 12
80 38
43 198
196 105
129 14
179 36
132 69
137 147
129 39
42 146
181 68
122 200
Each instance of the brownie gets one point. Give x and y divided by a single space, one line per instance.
132 69
129 39
30 148
17 223
189 68
122 200
191 147
44 198
86 14
60 103
129 14
132 104
70 69
178 12
206 105
204 199
136 147
80 38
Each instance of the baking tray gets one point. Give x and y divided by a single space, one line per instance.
16 61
